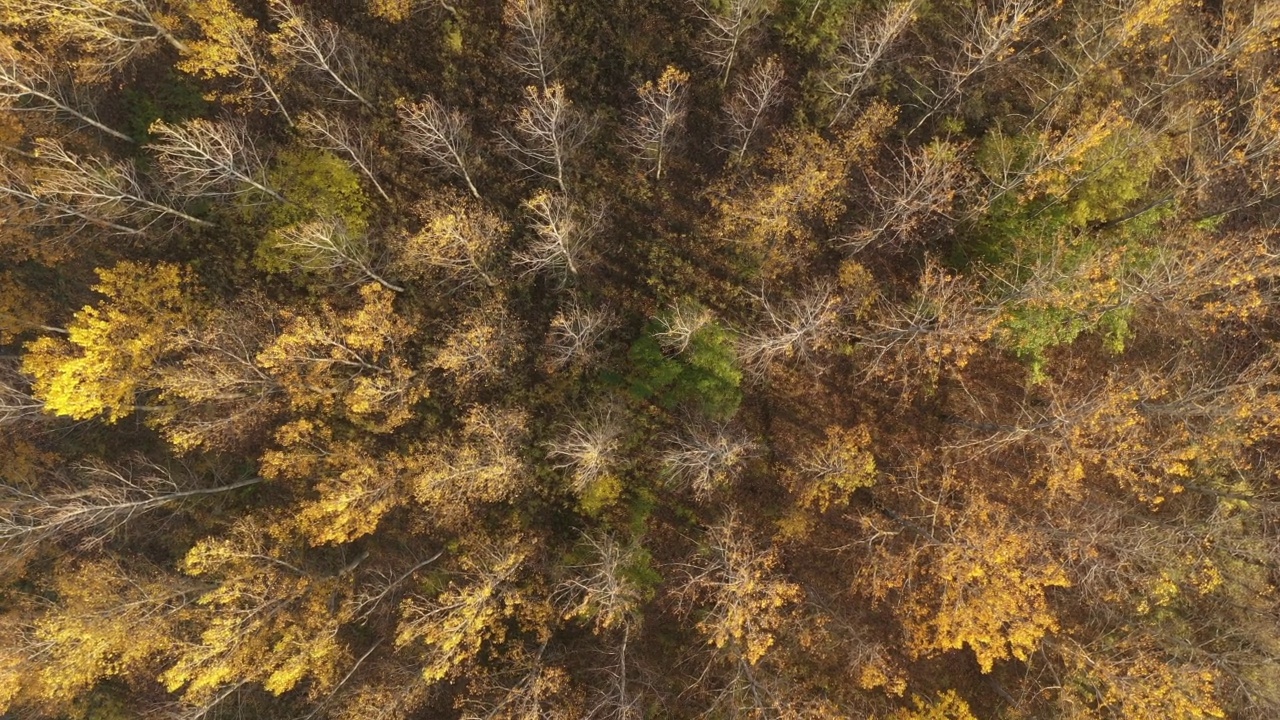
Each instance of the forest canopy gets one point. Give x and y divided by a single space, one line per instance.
627 359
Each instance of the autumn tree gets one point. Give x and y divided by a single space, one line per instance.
110 351
111 32
354 363
458 245
550 131
233 48
29 82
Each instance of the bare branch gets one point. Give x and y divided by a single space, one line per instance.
862 50
551 130
564 234
31 84
442 136
755 95
730 25
204 158
531 51
332 133
322 48
705 457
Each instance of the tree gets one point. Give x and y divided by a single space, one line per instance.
326 246
743 596
551 132
563 237
862 49
460 241
95 620
986 43
966 578
96 504
208 159
323 50
827 475
575 334
798 331
32 78
730 26
468 615
662 112
925 186
232 48
332 133
481 348
110 351
588 447
753 97
352 362
111 32
265 620
97 192
216 395
442 136
705 457
678 325
17 404
480 463
532 49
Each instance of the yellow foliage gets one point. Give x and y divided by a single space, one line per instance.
983 587
108 353
948 706
352 362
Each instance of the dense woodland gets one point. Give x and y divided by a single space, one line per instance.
909 359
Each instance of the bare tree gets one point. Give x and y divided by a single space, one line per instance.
94 190
17 404
925 186
563 236
576 331
114 31
661 113
755 95
730 25
705 457
460 236
204 158
588 447
796 329
679 323
322 48
110 498
67 220
330 132
442 136
327 246
603 591
986 43
30 83
861 51
550 130
531 51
